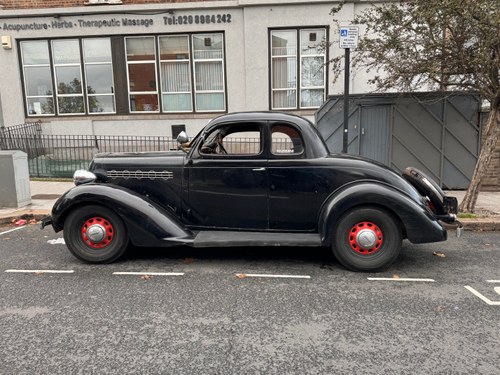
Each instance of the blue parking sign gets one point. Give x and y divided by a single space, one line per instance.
344 32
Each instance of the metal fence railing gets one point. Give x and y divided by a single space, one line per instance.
55 156
61 155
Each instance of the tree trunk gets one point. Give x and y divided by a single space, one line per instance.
492 133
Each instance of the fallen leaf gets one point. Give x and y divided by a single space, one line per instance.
439 254
440 308
395 276
146 277
39 273
188 260
241 276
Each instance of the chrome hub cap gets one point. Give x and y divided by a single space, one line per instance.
366 238
96 233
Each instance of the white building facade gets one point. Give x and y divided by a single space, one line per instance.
155 69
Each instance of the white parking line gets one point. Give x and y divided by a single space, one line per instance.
12 230
493 281
401 279
40 271
150 273
483 298
243 275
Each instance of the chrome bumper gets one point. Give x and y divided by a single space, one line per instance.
456 225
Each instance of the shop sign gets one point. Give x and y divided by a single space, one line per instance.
115 22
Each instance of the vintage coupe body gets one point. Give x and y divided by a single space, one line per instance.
251 179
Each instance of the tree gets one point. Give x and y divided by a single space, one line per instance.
444 45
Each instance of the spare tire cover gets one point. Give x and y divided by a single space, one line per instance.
426 186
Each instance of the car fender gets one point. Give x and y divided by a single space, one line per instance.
419 225
147 223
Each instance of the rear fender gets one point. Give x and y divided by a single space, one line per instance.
418 223
148 224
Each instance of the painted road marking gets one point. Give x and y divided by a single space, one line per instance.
479 295
150 273
401 279
40 271
12 230
493 281
243 275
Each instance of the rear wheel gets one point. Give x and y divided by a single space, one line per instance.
366 239
95 234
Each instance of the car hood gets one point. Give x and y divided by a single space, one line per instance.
137 160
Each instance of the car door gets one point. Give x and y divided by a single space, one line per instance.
297 187
228 184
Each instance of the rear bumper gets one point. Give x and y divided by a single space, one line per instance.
456 226
46 221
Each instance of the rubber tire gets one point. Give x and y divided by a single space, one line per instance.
76 245
383 257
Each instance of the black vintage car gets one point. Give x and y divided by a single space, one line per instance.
251 179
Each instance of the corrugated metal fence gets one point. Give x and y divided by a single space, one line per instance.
437 133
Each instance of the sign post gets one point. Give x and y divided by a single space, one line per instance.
348 39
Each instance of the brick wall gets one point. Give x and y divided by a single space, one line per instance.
491 181
31 4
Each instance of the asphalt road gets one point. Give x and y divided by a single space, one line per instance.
212 317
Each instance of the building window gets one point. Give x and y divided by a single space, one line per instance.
298 73
68 76
208 51
175 72
164 74
58 64
37 78
202 54
99 75
141 73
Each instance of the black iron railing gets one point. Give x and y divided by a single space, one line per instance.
60 155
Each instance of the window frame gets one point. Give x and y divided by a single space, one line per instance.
120 76
25 82
53 78
298 62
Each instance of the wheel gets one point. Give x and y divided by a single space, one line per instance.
366 239
95 234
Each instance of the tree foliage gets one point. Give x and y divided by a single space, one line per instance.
415 45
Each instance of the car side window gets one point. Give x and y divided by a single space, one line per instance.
241 139
286 140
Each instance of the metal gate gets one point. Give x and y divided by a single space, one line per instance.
437 133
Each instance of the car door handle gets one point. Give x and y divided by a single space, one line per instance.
259 169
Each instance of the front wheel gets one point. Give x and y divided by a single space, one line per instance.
366 239
95 234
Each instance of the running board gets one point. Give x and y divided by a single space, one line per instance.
230 239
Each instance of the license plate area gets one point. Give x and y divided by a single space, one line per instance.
450 205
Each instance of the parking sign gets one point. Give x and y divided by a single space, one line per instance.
348 36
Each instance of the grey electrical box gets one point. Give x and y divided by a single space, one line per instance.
14 179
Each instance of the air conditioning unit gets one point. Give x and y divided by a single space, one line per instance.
104 2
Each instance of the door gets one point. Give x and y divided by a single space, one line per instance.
228 179
374 133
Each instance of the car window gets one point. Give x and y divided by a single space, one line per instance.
240 139
286 140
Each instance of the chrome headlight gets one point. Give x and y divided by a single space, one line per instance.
82 176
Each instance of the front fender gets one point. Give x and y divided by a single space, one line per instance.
418 223
148 224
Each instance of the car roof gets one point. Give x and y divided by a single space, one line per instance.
260 115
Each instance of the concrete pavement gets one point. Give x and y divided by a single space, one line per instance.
45 193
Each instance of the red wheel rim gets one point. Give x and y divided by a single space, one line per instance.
365 238
97 232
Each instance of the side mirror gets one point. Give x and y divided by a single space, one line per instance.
182 137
